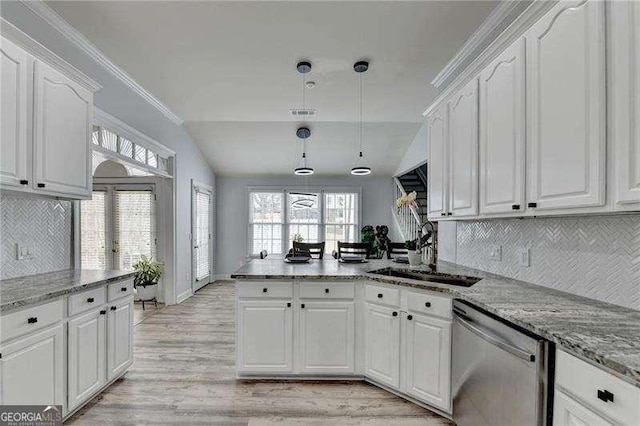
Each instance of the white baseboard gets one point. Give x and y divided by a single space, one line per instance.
222 277
184 296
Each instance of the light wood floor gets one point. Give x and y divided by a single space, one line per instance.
183 373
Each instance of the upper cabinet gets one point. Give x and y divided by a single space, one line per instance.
624 89
463 151
502 132
437 188
46 126
566 108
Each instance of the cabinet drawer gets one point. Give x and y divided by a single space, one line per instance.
587 382
383 295
120 289
429 304
265 289
327 290
31 319
86 300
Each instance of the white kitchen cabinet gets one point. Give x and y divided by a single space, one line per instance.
14 165
437 203
119 337
624 85
566 107
569 412
382 345
427 366
63 123
502 132
31 369
86 355
327 337
265 336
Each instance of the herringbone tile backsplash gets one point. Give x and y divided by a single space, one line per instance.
596 257
44 223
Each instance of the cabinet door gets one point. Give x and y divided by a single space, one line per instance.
119 338
437 139
463 151
502 132
382 345
566 106
625 97
568 412
13 120
32 369
327 337
86 356
264 336
63 126
427 364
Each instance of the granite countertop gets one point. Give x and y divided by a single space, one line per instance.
605 334
24 291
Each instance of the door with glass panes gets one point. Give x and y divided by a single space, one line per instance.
117 226
201 221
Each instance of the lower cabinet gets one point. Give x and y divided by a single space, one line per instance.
569 412
86 356
119 337
31 369
264 336
382 344
427 366
326 340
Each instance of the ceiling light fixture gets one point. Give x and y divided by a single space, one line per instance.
303 132
359 170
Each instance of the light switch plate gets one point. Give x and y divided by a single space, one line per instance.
524 257
495 253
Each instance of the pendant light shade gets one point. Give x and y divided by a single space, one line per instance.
360 169
303 133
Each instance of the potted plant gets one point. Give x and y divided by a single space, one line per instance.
145 282
412 252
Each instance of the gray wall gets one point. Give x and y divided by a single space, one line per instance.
416 153
119 101
232 210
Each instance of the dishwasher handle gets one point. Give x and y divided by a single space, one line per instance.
494 340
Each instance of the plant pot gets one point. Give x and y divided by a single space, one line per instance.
415 258
146 291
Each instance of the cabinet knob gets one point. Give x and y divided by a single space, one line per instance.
41 185
427 304
379 295
123 289
288 304
326 290
24 182
113 308
532 205
302 306
409 317
515 207
605 395
90 300
395 314
264 290
103 312
32 320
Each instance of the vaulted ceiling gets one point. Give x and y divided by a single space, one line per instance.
228 69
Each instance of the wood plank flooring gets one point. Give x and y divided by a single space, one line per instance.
184 373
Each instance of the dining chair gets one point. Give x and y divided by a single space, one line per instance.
396 250
314 249
364 249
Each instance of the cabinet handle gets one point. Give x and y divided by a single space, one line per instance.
428 304
264 290
409 317
532 205
326 290
113 308
302 306
443 214
123 289
515 207
41 185
103 312
24 182
379 295
288 304
605 395
450 214
32 320
90 300
395 314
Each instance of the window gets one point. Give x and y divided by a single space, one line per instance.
93 231
134 230
266 222
313 216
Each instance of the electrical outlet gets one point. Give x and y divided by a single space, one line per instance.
25 251
524 257
495 253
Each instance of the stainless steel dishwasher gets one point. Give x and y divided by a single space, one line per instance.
500 374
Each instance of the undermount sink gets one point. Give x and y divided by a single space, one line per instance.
438 277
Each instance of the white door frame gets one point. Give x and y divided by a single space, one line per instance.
196 187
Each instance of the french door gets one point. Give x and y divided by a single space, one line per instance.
202 244
117 226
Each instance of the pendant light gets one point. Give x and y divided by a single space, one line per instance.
359 169
303 133
303 169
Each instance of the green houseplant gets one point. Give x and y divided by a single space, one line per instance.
148 273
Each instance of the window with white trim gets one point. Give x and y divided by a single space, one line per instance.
278 217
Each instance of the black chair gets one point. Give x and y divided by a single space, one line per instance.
396 250
362 249
314 249
263 254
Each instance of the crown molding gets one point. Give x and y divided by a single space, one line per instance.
79 40
37 50
514 31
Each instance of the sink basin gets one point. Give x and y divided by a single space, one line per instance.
438 277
